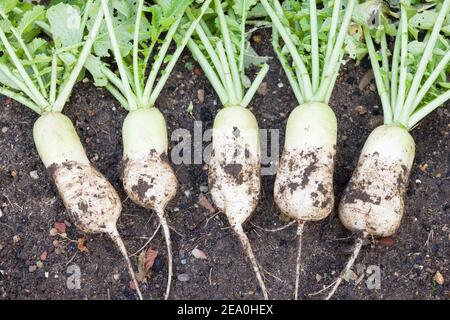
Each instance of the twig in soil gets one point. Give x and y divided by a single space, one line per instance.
148 241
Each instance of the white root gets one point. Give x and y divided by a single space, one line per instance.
234 173
300 228
251 256
91 201
148 177
114 234
351 261
166 232
304 184
373 201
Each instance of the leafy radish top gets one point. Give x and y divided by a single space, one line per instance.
42 52
315 35
416 80
139 36
221 47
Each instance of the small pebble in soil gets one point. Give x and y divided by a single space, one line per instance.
204 189
5 129
201 95
34 175
53 232
1 246
183 261
439 278
32 268
263 89
280 85
39 264
16 239
361 110
13 173
257 38
184 277
318 277
1 213
199 254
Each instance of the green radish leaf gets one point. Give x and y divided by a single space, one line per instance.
94 66
7 5
243 6
65 24
29 18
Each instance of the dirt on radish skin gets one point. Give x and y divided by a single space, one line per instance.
91 201
373 201
304 186
150 182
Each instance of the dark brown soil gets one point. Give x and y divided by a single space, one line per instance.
31 207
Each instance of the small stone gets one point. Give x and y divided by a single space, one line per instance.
116 276
1 213
53 232
187 193
361 110
201 95
423 167
46 275
387 241
39 264
58 251
55 243
257 38
16 239
13 173
34 175
263 89
5 129
43 256
183 261
280 85
184 277
1 246
199 254
32 268
318 277
204 189
439 278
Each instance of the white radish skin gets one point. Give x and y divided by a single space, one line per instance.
234 172
91 201
374 199
373 202
148 178
304 184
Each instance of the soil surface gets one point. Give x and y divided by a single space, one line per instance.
30 207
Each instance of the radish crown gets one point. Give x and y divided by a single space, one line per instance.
37 72
416 81
314 39
134 42
222 49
